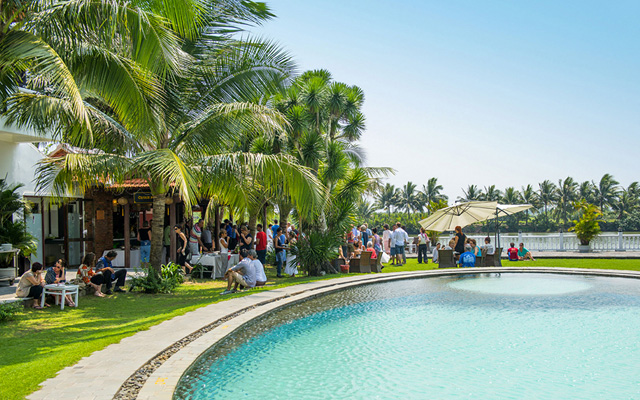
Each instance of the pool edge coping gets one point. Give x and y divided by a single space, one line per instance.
162 383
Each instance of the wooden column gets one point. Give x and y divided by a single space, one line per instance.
127 237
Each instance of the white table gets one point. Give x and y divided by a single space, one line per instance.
119 260
214 260
59 291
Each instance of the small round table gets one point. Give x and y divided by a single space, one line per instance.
60 289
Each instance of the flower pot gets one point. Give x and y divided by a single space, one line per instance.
344 269
584 248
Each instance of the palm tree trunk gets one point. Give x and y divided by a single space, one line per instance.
285 210
157 229
253 218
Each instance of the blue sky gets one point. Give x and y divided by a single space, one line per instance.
481 92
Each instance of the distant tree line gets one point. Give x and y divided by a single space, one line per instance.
553 204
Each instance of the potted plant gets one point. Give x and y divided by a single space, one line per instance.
12 231
587 227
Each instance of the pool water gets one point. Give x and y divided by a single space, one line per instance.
490 336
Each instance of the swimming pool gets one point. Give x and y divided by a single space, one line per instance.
474 336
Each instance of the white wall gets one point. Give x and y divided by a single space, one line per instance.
18 163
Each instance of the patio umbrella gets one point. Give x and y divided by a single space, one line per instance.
507 209
461 214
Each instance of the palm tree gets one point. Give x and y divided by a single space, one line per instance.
547 195
408 198
202 112
606 191
386 198
432 192
586 191
511 196
627 201
566 194
529 196
491 193
472 193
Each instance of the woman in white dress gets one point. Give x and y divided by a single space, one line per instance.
292 264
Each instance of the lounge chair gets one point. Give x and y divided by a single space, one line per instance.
362 264
445 259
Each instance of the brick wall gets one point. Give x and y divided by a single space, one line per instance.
101 221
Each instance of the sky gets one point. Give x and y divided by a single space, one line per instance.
504 93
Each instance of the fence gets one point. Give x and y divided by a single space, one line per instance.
564 241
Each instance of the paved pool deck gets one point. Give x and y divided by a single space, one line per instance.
101 374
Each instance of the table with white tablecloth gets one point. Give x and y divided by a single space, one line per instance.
134 259
214 260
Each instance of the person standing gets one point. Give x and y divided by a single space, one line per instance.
224 249
292 264
460 240
195 239
246 240
261 244
281 254
423 244
386 237
401 238
182 249
364 235
207 240
274 228
144 237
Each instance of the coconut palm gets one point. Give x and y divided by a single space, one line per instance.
547 195
432 191
203 110
605 191
566 194
408 199
627 200
491 193
472 193
529 196
386 198
586 191
511 196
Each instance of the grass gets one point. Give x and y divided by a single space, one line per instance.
38 344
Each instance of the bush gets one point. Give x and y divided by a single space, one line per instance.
316 250
271 257
9 310
169 278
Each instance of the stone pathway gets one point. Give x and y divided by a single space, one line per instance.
101 374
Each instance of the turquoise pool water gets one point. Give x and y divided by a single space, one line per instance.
491 336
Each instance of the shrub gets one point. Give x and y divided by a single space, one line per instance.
9 310
316 250
151 281
587 227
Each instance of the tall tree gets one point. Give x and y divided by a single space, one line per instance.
547 195
585 191
408 198
386 198
491 193
432 192
605 191
566 194
472 193
529 196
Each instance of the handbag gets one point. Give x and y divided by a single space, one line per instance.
384 258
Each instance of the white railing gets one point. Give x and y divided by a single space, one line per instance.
562 241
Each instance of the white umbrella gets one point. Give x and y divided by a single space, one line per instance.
462 214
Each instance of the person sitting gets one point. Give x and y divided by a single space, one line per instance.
475 249
467 259
105 274
487 245
85 273
56 274
434 256
357 249
342 256
242 274
31 285
512 252
372 250
524 254
451 245
261 277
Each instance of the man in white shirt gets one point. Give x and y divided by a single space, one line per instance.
400 238
487 245
261 277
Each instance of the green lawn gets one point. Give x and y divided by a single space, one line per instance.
37 344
